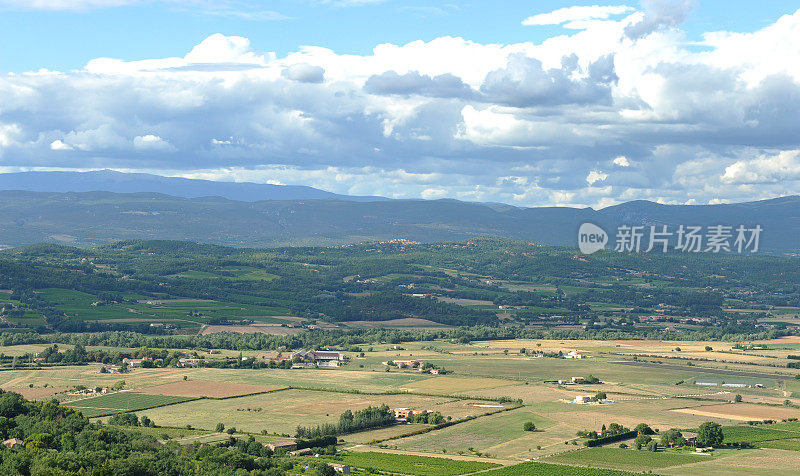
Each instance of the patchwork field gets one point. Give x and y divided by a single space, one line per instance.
196 388
121 402
282 411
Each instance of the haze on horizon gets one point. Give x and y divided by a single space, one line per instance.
566 103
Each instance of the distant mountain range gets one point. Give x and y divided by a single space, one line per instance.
120 182
223 213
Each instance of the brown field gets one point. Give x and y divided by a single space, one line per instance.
272 329
35 393
197 388
741 411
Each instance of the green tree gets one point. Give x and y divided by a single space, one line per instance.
642 440
600 396
220 427
738 398
672 437
529 426
710 434
644 429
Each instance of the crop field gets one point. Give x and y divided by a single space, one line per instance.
547 469
626 459
410 464
742 412
121 402
758 434
35 393
282 411
197 388
78 305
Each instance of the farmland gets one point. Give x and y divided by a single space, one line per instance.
512 355
121 402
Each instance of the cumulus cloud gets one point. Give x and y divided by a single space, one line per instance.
444 85
593 117
304 73
660 14
58 144
764 169
569 14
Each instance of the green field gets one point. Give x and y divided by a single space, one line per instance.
756 434
122 402
545 469
633 460
186 312
410 464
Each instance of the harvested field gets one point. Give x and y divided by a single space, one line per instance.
453 385
35 393
742 412
198 388
272 329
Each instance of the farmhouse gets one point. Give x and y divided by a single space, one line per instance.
134 363
13 443
402 413
574 354
584 399
283 445
191 362
340 468
319 357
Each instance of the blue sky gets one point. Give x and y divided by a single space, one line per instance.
66 38
528 103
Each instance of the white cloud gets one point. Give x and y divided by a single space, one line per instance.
58 144
622 161
590 117
595 176
764 169
570 14
433 193
151 142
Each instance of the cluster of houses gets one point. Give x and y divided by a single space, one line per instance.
291 448
732 385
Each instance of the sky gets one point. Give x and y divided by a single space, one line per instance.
527 103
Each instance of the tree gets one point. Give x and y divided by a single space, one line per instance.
118 385
738 398
529 426
708 348
600 396
220 427
644 429
710 434
652 446
672 437
642 440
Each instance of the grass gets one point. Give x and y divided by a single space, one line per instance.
545 469
122 402
634 460
789 444
410 464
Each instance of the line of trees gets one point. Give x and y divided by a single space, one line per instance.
349 422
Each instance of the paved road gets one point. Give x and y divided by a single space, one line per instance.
735 373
